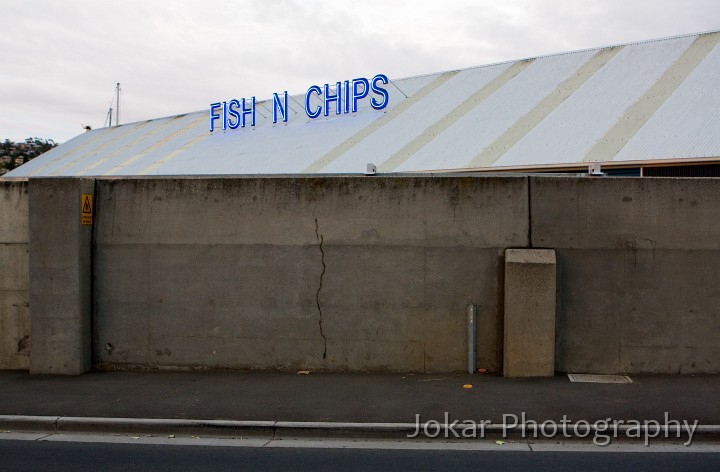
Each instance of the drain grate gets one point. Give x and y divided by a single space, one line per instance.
596 378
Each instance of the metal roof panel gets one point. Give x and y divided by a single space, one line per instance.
490 119
571 130
686 124
650 100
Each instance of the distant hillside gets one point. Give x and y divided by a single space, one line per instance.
14 154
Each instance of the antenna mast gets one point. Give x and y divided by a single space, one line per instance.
115 98
117 107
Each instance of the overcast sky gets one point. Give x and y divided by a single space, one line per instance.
61 59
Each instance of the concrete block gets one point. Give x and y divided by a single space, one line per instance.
529 347
60 277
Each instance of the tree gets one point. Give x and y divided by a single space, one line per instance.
41 145
30 149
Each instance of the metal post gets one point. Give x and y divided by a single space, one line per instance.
117 107
472 338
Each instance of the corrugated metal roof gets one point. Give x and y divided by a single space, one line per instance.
642 101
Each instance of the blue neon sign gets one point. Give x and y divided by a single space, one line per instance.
344 99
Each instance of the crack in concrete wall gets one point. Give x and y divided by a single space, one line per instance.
317 294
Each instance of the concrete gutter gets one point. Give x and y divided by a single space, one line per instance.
319 430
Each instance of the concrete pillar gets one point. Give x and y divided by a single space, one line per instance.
529 349
60 276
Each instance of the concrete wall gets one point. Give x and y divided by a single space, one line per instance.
639 265
60 271
14 281
374 273
322 273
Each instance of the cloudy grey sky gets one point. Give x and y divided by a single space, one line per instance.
61 59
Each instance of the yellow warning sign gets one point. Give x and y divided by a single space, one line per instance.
87 209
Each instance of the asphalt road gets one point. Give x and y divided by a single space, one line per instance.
20 456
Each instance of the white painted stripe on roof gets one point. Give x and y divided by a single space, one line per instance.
553 100
446 121
572 128
607 147
685 125
346 145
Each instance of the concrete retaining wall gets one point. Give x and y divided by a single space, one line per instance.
14 281
639 264
374 273
342 273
